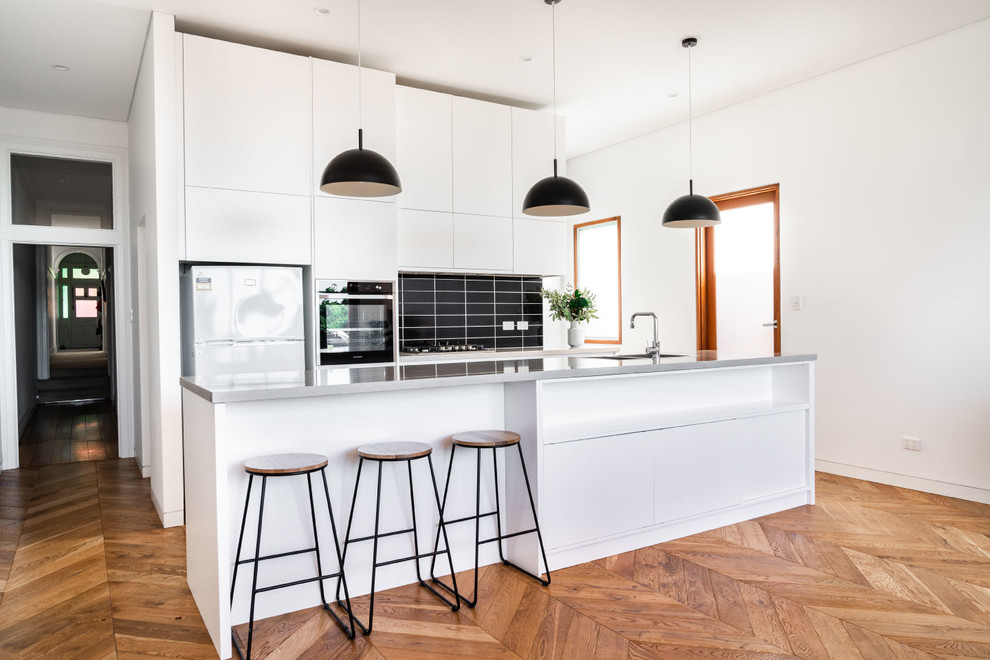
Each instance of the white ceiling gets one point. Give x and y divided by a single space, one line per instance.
618 61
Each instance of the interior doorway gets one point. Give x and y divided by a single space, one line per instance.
65 353
65 205
738 274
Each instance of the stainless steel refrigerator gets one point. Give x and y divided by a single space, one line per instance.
242 319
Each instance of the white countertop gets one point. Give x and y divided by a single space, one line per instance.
349 380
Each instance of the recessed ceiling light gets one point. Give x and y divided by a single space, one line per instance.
672 94
322 11
525 58
60 67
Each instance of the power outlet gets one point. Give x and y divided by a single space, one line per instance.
911 444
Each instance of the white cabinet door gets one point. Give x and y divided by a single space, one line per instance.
540 247
741 460
423 149
354 239
596 488
482 243
532 152
776 453
336 119
425 239
482 161
247 227
247 118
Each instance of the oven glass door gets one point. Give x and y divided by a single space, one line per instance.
356 329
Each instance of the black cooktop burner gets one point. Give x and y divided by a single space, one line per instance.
442 348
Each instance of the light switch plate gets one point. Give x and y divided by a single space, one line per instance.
797 303
508 325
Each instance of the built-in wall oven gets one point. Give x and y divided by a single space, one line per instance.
356 322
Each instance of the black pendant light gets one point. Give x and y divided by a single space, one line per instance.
555 195
360 172
691 210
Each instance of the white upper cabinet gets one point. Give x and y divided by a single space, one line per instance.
247 227
354 239
532 152
482 243
425 239
423 149
336 114
247 118
540 247
482 157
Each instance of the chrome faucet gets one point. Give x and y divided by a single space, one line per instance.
654 348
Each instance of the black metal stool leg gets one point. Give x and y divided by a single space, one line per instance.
443 505
240 538
498 506
349 629
374 553
350 520
536 522
257 560
454 606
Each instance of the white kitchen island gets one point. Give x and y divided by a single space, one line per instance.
621 454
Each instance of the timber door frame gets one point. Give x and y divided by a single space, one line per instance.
704 245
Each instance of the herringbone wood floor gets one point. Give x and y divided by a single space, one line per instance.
870 572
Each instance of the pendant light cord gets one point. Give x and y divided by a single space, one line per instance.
360 91
553 58
690 128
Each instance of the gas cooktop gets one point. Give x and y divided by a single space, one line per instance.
441 348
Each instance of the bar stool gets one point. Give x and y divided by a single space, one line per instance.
393 452
494 440
289 465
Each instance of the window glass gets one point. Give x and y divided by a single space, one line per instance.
65 302
85 274
80 292
85 309
61 192
597 248
91 292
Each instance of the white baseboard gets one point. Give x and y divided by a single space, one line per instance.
145 471
168 518
906 481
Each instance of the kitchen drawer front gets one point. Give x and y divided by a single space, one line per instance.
247 227
597 488
706 467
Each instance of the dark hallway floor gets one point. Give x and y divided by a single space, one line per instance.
69 434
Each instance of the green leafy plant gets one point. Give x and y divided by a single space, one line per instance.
571 305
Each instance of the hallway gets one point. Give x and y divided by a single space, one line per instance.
87 571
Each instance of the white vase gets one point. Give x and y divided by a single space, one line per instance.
575 335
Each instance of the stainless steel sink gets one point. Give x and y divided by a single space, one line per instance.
635 356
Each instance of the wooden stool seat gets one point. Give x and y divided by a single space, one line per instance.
486 439
284 464
398 450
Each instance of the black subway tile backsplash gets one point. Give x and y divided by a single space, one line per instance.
458 309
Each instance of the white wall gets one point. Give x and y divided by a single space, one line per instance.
154 208
26 329
883 169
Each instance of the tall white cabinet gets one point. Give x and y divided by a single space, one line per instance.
247 139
